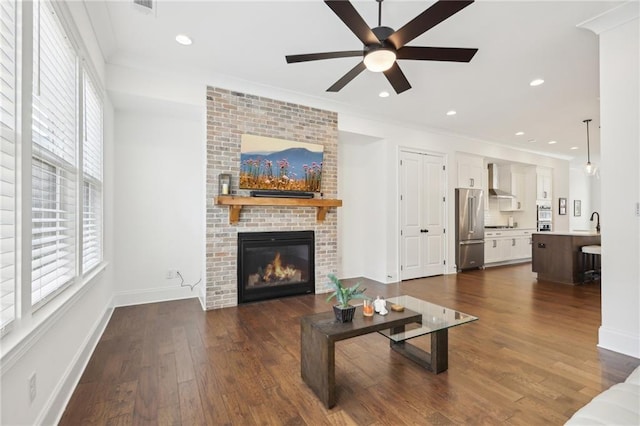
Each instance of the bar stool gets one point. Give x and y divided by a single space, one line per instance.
591 255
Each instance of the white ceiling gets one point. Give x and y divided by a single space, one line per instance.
517 41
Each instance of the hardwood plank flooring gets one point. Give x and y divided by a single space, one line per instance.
530 359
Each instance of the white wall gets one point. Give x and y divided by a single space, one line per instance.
580 189
160 154
620 179
382 263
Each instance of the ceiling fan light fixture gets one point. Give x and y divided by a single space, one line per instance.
380 59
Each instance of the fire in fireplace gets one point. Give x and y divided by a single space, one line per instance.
275 264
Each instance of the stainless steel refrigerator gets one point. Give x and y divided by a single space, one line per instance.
469 228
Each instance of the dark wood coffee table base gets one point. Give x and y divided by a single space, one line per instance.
435 361
318 334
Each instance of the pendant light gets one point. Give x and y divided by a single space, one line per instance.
590 169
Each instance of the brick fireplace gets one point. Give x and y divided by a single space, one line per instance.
229 116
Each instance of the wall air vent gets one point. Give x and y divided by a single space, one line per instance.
145 6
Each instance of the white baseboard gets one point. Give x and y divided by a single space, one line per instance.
619 341
57 403
152 295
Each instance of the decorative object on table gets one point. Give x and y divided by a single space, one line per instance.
380 306
224 184
367 308
343 310
397 308
562 206
577 208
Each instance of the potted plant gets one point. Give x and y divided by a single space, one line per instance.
343 310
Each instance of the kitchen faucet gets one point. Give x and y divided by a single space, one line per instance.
598 222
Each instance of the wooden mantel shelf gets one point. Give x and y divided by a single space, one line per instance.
236 203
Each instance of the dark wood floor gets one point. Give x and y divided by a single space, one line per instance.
531 359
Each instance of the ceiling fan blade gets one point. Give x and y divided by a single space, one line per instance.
352 19
431 17
319 56
353 73
397 79
450 54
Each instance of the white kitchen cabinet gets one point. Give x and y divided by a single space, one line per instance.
495 250
470 171
544 184
521 248
507 245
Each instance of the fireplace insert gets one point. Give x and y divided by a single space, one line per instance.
275 264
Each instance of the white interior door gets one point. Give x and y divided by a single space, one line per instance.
422 215
412 246
433 214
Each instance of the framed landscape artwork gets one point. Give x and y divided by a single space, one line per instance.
278 164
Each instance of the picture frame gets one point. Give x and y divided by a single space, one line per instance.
562 206
577 208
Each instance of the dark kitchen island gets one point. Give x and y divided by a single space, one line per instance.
557 256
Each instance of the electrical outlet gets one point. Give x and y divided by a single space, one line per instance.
32 387
171 274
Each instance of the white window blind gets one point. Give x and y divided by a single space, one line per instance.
92 177
7 162
54 165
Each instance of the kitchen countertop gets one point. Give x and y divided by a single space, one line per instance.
572 233
506 228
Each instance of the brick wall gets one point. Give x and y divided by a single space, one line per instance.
229 115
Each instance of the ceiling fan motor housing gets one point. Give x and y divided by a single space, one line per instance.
382 33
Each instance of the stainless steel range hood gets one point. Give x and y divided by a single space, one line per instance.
494 191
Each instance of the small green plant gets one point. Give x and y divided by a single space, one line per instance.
344 294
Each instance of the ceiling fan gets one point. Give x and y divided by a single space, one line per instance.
383 46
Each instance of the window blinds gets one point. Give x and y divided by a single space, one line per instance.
92 177
54 165
7 162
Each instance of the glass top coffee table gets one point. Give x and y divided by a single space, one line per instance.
319 333
436 320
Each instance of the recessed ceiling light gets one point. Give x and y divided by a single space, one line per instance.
384 94
183 39
452 112
552 142
536 82
574 147
519 133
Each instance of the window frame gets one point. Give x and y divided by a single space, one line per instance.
30 318
55 141
9 134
